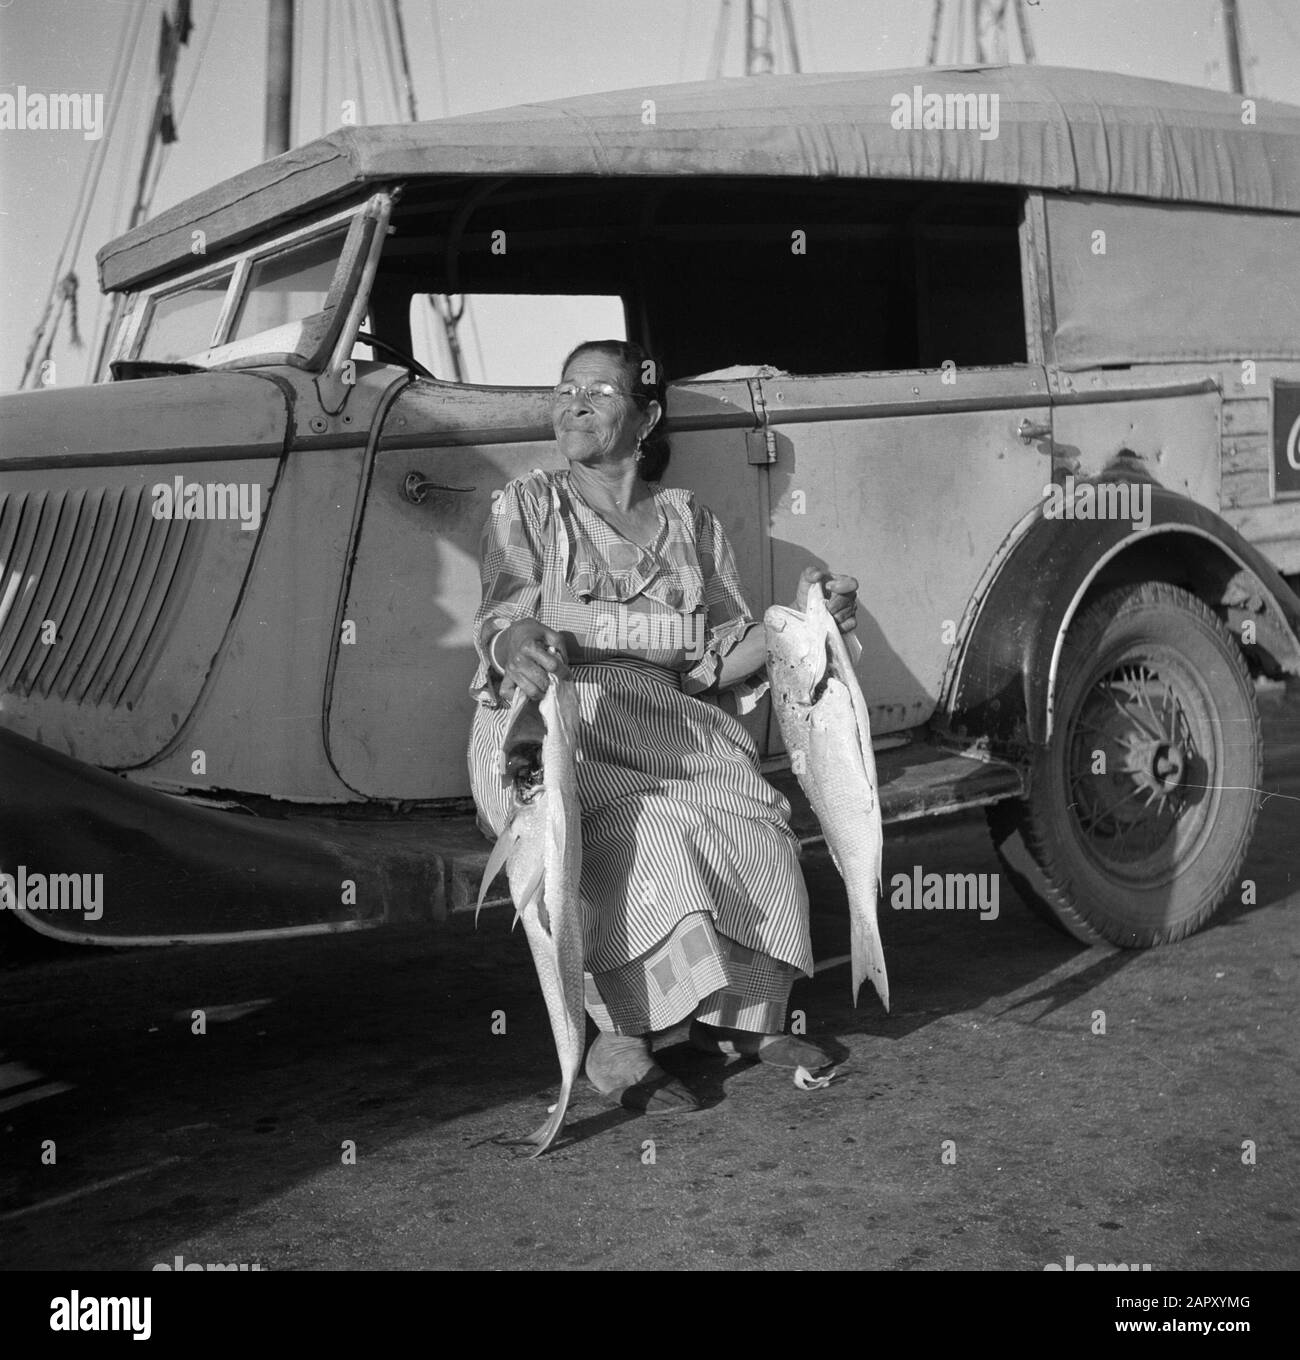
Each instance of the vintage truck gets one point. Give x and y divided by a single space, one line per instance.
1033 378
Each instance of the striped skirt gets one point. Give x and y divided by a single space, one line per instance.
693 900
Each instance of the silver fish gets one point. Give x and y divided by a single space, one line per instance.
541 849
823 720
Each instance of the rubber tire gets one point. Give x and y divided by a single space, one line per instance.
1040 843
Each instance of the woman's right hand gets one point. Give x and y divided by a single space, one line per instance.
531 653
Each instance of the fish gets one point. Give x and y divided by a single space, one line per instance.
540 847
823 719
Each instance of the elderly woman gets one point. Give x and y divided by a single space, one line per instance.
694 900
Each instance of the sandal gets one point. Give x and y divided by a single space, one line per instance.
778 1050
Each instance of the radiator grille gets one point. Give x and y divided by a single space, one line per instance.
97 566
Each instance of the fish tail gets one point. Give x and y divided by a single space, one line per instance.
867 950
550 1131
868 959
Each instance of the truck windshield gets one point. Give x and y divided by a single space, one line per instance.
182 324
288 286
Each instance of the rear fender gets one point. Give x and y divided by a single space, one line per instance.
1002 684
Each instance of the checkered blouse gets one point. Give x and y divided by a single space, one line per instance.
677 603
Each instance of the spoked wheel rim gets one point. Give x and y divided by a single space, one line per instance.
1142 813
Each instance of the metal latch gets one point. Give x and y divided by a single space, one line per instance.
760 446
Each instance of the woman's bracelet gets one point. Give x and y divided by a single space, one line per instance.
492 649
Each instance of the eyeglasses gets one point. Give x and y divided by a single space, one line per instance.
598 392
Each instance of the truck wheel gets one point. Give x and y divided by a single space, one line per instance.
1142 804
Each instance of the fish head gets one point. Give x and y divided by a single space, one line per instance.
815 609
519 760
796 652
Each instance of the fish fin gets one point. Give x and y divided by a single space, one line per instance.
531 890
501 853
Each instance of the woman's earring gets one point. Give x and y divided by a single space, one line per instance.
640 452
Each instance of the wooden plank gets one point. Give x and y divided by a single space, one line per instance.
1273 529
1244 488
1247 453
1245 416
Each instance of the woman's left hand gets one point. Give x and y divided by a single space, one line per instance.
841 590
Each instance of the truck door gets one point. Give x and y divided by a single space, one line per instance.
399 707
911 482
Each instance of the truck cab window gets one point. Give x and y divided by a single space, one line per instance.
514 339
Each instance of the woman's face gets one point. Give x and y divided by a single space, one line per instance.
591 429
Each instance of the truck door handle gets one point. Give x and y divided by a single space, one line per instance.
416 487
1029 430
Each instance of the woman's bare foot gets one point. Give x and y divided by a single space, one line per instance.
780 1050
621 1068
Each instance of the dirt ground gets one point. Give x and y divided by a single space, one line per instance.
984 1123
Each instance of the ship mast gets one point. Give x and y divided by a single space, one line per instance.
279 78
765 22
1232 33
978 32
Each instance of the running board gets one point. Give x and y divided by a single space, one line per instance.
915 781
173 870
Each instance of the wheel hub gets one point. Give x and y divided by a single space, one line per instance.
1152 765
1129 800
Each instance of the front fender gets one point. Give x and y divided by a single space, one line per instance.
159 869
1003 682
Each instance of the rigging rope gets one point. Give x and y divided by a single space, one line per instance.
356 60
59 290
165 154
379 22
174 34
325 74
437 51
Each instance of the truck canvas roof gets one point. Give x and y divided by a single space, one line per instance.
1043 127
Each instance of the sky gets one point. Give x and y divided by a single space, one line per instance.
469 55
